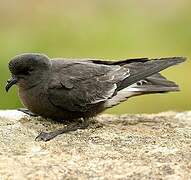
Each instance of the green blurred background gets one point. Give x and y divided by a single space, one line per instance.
110 29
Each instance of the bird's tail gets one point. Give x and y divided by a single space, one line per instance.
145 79
142 70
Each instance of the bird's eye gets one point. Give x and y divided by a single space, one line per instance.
25 71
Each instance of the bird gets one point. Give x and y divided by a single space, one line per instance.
67 89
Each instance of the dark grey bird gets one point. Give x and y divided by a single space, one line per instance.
62 89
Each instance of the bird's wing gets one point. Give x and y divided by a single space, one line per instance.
77 86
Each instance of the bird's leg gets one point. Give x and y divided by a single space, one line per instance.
46 136
26 111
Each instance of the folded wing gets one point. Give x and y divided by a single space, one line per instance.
82 85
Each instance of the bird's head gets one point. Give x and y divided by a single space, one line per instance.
27 70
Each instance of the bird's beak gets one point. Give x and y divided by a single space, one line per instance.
10 83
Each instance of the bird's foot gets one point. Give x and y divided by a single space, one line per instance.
46 136
26 111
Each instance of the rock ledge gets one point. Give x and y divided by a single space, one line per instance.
155 146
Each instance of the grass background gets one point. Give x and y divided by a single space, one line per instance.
110 29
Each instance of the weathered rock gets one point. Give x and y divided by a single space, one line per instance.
156 146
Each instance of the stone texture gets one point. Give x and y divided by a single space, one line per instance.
156 146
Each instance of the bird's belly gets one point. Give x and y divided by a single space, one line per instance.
37 102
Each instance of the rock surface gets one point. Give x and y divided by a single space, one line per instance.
156 146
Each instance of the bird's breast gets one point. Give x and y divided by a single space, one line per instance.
35 99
